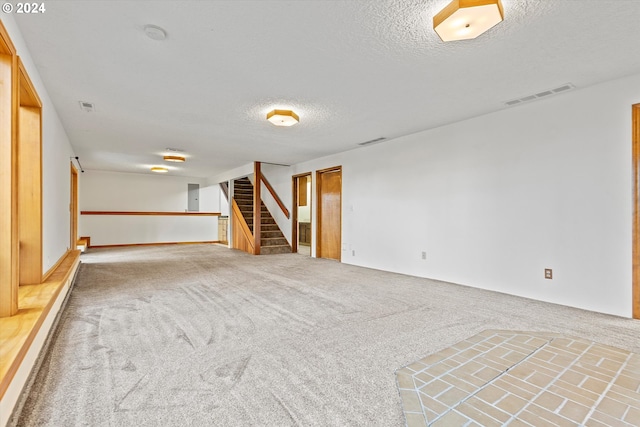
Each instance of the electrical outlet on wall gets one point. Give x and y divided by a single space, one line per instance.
548 273
353 252
424 255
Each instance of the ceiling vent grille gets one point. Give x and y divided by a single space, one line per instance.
87 107
175 150
371 142
539 95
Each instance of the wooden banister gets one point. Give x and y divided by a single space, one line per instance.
257 208
283 208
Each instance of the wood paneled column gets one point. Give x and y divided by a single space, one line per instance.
9 245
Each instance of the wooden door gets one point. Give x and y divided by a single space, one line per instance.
329 230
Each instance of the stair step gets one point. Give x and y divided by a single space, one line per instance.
264 224
279 249
273 241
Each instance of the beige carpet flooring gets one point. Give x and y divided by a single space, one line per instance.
199 335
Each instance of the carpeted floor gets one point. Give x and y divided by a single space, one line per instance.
201 335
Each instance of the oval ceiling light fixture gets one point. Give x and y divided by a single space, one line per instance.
159 169
283 117
174 158
154 32
467 19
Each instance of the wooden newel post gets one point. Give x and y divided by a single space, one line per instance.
257 207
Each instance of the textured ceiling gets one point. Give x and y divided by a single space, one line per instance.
353 71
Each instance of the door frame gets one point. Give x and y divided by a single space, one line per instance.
294 220
319 174
73 208
635 139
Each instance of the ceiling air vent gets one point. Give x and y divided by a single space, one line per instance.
373 141
87 107
539 95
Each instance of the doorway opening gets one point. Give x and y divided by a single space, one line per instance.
329 199
301 232
193 202
73 206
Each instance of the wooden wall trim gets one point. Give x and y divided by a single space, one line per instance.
24 326
636 210
150 213
155 244
9 244
55 266
29 191
28 95
6 45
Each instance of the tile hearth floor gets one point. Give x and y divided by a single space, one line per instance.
518 379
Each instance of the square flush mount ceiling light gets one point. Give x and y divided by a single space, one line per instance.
467 19
283 117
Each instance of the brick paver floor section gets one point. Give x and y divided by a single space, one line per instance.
499 378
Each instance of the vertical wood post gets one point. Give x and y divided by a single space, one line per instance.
257 207
9 244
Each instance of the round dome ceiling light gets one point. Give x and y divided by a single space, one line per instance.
154 32
283 117
159 169
174 158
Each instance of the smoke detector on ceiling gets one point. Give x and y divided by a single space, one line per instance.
87 107
154 32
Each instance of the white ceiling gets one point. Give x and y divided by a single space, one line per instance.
352 70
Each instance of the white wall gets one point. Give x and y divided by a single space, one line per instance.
280 179
116 191
496 199
56 219
56 155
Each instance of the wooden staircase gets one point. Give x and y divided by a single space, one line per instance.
272 241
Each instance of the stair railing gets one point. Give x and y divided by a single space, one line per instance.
281 205
248 241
